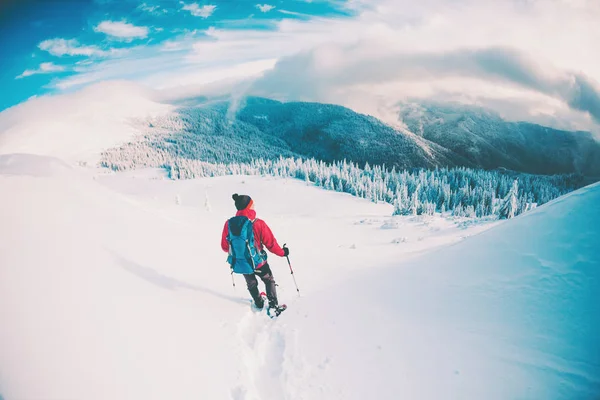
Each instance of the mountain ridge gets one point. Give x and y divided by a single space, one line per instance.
436 135
484 138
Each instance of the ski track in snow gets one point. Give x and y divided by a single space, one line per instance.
271 366
262 348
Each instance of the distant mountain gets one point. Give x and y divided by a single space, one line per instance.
486 140
207 133
215 130
209 130
329 132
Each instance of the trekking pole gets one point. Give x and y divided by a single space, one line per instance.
232 281
292 272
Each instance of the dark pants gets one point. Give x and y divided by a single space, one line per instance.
265 274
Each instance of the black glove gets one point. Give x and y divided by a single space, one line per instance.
286 251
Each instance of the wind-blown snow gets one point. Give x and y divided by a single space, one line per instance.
77 127
110 289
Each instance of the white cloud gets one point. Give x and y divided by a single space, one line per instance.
265 7
76 80
181 81
183 41
140 61
197 11
368 81
45 68
154 10
70 47
122 30
295 13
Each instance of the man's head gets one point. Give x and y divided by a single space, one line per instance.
242 202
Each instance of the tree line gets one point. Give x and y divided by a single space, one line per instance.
461 191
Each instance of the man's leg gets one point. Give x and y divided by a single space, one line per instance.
265 274
252 284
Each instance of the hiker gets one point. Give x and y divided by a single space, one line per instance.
250 259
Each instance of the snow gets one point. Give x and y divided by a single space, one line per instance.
510 313
111 288
77 127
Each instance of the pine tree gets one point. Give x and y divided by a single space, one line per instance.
397 206
456 190
510 203
414 201
402 204
458 211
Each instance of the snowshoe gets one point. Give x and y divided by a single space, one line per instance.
274 312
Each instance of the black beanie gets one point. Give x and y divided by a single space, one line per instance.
241 201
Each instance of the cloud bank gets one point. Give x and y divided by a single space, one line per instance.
532 60
320 73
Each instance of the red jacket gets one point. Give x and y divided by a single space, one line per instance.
262 235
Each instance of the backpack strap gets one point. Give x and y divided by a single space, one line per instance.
235 224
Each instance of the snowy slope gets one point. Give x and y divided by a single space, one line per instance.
111 289
106 294
513 313
77 127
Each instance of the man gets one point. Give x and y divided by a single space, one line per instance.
263 237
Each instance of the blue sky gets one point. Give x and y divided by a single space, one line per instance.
45 42
531 60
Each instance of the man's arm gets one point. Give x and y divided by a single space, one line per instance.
267 238
224 242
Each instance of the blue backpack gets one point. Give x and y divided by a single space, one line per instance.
243 255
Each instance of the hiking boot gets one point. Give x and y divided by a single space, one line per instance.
260 303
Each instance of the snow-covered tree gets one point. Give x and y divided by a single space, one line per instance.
510 203
460 191
414 201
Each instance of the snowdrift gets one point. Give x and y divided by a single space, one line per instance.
110 288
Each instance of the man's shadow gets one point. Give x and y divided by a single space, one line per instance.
166 282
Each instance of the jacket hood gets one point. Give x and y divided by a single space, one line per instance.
250 214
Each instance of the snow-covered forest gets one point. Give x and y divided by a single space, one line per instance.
461 192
